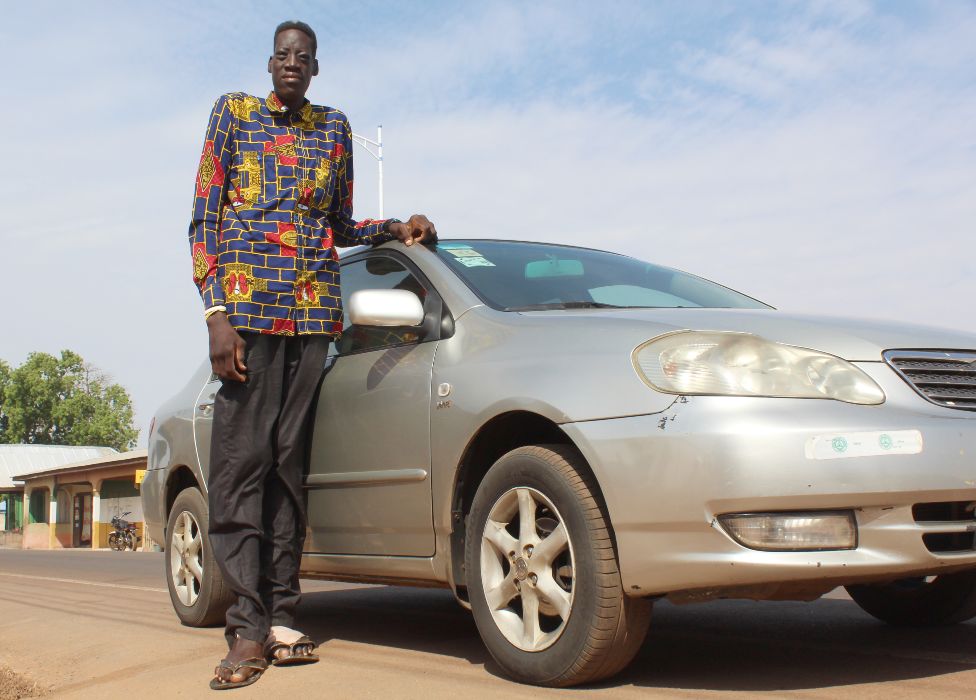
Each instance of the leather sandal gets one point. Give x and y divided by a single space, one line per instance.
258 665
299 652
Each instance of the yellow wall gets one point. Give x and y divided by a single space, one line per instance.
63 536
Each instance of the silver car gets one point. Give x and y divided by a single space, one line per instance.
562 436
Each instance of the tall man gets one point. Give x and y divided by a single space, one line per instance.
273 199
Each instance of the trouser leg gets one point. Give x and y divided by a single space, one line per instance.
284 499
245 415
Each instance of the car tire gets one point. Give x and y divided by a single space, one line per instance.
197 589
568 621
919 602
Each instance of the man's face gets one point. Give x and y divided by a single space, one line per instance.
292 65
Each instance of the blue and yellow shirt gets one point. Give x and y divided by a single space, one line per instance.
273 200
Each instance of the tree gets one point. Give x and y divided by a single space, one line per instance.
63 401
4 382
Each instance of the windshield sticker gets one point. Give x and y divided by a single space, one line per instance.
871 444
476 261
464 253
452 246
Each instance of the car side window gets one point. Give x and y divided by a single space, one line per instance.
376 272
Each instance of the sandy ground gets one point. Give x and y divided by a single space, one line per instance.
100 625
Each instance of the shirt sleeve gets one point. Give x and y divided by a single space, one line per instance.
346 231
208 197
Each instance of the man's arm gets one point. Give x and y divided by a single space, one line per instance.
346 231
210 191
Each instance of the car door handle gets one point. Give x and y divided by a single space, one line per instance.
206 408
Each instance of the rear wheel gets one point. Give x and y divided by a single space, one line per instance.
920 601
113 542
196 587
542 572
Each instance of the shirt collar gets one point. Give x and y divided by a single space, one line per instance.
276 106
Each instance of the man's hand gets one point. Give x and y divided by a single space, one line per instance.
226 349
416 229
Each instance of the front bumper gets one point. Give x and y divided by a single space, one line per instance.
667 477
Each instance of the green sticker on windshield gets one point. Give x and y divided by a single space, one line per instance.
476 261
465 253
469 257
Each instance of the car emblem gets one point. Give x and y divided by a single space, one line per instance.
521 569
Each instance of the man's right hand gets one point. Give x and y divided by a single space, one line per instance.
226 349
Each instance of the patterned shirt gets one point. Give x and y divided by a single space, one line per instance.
273 198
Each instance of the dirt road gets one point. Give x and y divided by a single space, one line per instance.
99 624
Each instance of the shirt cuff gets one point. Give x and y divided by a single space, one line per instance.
212 294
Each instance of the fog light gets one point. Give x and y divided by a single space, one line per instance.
794 532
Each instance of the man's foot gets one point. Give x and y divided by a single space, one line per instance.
242 666
285 647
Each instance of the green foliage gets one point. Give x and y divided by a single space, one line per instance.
63 401
4 382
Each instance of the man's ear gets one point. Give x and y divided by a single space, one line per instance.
315 66
269 63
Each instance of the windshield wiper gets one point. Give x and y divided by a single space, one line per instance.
566 305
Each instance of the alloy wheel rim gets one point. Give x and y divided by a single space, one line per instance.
527 569
186 558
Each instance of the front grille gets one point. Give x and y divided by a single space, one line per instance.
948 527
944 377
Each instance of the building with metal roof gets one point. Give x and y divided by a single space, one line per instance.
29 459
62 496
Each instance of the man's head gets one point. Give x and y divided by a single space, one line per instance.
293 62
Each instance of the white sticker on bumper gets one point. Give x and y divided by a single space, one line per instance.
844 445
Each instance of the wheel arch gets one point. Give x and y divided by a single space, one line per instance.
497 437
180 477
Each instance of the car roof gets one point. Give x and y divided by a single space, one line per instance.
346 252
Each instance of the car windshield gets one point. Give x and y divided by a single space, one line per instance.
515 276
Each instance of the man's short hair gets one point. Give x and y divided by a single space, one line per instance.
300 26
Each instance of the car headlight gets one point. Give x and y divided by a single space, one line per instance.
742 364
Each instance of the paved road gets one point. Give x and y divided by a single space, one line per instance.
99 624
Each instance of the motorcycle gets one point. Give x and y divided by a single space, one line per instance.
124 536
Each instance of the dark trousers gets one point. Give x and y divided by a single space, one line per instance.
257 463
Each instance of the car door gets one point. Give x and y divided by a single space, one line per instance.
203 422
369 486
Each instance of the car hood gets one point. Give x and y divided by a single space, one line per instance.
854 339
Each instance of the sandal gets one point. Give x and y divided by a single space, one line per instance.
258 665
296 654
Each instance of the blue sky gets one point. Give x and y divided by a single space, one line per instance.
820 156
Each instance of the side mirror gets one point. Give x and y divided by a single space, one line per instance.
385 307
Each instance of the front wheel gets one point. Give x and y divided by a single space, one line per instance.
920 601
542 572
114 543
196 586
